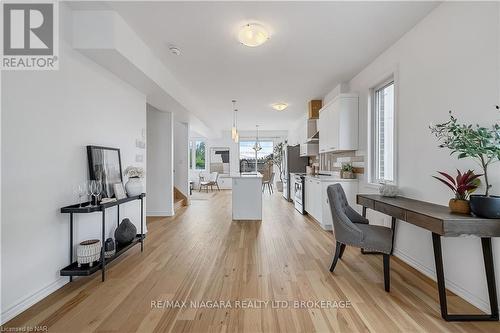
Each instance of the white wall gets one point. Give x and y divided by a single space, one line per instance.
449 61
181 157
48 117
160 161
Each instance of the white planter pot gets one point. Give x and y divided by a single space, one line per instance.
134 187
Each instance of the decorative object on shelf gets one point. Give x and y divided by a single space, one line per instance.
388 190
88 252
462 186
81 190
125 232
95 189
109 248
119 191
105 165
134 185
220 160
276 158
479 143
347 171
107 200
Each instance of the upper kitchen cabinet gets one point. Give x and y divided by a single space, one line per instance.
338 124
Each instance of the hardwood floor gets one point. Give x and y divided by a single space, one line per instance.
201 255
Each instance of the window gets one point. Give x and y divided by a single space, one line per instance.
247 155
197 155
383 140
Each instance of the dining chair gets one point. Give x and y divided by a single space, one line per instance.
351 228
269 182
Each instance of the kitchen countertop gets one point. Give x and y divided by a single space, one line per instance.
246 175
330 178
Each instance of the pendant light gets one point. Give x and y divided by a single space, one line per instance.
257 146
237 135
233 129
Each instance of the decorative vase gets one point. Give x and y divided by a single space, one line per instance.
388 190
347 175
487 207
134 186
88 251
109 248
125 232
459 206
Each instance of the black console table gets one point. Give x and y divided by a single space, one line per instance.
72 269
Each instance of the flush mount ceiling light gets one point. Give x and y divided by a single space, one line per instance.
279 106
253 34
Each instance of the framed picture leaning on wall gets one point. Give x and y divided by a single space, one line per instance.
105 165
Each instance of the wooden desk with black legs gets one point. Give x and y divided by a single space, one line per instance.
441 222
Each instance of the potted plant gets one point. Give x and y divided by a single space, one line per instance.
347 171
276 158
479 143
134 185
462 186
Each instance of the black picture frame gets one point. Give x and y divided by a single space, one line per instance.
105 164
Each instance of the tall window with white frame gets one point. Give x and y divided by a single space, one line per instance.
197 155
383 130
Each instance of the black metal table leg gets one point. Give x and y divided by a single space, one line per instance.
142 224
490 279
70 242
103 258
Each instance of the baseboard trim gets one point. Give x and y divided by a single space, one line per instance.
29 301
160 213
478 302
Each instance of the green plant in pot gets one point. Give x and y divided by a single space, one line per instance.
347 171
480 144
462 186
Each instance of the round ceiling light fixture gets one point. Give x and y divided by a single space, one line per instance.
253 34
279 106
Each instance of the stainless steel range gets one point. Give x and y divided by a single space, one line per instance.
298 192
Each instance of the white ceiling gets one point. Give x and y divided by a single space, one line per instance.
313 47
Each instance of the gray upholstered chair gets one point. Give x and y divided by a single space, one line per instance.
353 229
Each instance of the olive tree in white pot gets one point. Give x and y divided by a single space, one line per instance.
276 158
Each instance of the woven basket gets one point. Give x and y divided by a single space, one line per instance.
88 252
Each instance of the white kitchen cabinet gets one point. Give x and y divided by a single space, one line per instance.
316 198
338 124
313 198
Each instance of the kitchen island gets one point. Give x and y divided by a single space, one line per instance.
247 196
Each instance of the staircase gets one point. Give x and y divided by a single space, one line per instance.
180 200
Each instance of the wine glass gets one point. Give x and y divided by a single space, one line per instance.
99 190
93 192
76 192
82 192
